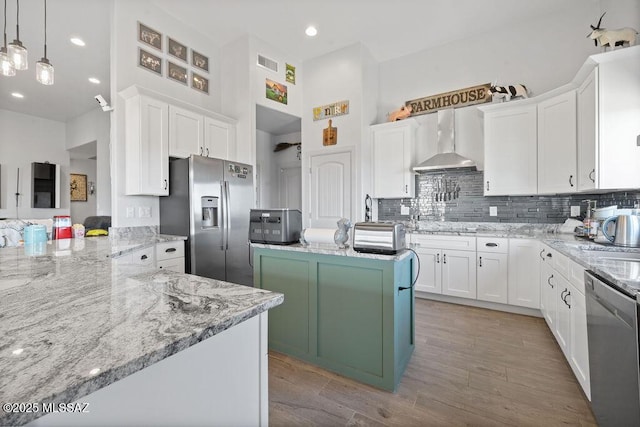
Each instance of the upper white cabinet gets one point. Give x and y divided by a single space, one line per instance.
557 170
147 146
608 125
510 152
392 150
185 132
219 139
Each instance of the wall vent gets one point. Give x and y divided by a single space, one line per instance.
265 62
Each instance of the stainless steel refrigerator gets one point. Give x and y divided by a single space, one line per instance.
209 201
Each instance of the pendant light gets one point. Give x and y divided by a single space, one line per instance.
44 69
7 68
17 51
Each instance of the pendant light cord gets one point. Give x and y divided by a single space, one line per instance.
45 28
18 20
5 24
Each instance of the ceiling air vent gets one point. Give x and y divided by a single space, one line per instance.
265 62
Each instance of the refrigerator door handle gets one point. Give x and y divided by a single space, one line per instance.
223 216
227 219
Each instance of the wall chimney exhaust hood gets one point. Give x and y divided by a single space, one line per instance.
446 158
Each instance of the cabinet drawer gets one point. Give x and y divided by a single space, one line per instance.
175 264
493 244
143 257
169 250
576 276
462 243
561 264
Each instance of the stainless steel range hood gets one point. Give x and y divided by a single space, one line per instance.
446 158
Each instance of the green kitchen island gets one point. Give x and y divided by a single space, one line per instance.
345 311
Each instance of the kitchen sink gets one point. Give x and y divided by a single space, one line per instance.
614 256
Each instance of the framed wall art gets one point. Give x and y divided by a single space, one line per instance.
176 49
199 83
276 91
199 60
149 61
290 74
177 73
78 184
149 36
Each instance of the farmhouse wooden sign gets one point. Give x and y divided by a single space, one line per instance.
457 98
331 110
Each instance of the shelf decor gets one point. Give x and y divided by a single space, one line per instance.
149 36
78 187
454 99
177 73
200 61
199 83
149 61
339 108
177 50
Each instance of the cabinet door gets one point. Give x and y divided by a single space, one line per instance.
185 132
563 320
578 341
392 150
524 273
548 284
492 277
510 153
219 139
557 144
459 274
430 277
147 147
587 119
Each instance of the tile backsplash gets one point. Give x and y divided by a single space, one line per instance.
468 204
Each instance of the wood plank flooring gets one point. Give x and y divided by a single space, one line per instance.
471 366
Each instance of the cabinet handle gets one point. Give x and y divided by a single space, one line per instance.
541 252
549 255
565 299
549 281
592 175
207 152
480 261
201 150
444 258
562 295
487 185
438 258
166 183
491 245
143 257
571 180
170 250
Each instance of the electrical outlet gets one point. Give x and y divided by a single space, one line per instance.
493 211
405 210
131 212
144 211
575 210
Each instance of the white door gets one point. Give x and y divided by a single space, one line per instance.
524 273
290 186
330 186
557 144
492 277
459 273
587 118
185 132
430 277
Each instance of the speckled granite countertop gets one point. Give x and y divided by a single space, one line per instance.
329 250
72 321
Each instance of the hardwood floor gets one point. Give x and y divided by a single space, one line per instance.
471 366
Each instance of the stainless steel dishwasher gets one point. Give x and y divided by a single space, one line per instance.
612 329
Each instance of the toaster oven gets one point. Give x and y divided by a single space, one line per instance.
379 237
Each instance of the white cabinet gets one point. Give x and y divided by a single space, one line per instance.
219 139
563 317
524 273
548 305
170 256
185 132
447 264
608 125
492 269
147 146
510 153
392 149
578 341
557 144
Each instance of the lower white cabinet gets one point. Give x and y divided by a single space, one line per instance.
563 319
524 273
492 269
430 277
170 256
459 274
578 340
547 292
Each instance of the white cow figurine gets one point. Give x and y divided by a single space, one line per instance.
612 38
507 92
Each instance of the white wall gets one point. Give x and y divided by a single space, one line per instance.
95 126
81 210
125 72
543 55
27 139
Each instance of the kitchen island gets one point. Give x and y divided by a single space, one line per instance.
349 312
141 346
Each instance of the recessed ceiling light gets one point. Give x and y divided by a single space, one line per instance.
77 41
17 95
311 31
94 80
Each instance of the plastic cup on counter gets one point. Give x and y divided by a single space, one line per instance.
35 234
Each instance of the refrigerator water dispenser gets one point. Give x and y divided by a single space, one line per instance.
209 212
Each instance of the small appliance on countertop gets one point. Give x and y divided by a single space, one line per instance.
275 226
379 237
62 227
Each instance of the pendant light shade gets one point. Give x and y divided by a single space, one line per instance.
44 69
7 67
17 51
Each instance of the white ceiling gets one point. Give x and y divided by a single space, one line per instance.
389 29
